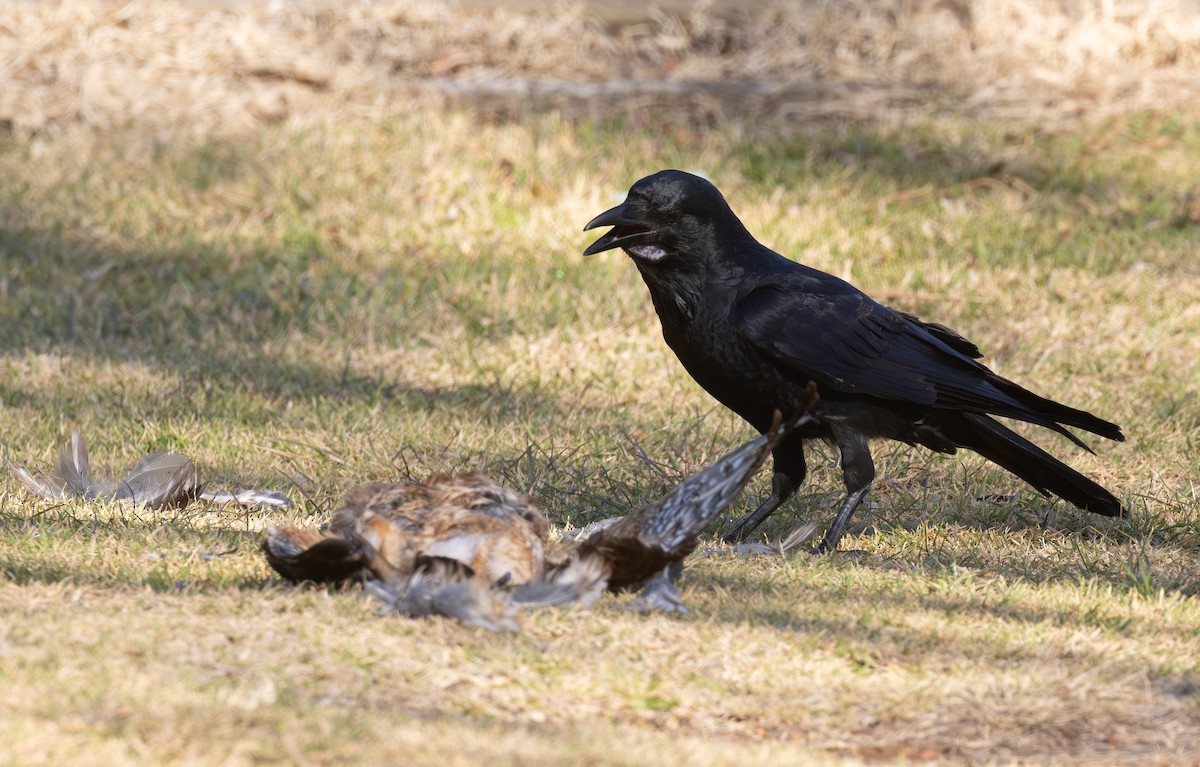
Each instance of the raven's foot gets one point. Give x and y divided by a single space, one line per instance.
659 595
735 535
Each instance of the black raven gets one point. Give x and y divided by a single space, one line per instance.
754 328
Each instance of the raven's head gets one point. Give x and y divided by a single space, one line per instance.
667 215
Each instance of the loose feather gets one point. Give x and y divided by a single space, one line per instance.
158 481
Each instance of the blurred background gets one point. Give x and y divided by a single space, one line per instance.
220 67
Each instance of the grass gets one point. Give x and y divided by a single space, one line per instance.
314 304
311 309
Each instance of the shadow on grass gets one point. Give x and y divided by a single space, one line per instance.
230 314
875 623
220 338
207 316
867 609
181 302
1035 542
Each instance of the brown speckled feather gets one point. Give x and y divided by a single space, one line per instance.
497 534
158 481
636 547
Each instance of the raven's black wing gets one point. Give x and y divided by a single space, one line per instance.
812 326
848 343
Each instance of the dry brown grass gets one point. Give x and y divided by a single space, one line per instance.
207 70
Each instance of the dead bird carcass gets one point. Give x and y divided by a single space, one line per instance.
467 548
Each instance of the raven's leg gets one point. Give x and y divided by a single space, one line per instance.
782 488
788 460
858 471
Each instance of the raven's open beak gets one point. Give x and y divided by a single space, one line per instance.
628 229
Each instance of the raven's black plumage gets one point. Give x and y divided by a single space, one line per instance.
754 328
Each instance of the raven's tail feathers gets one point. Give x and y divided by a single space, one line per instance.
1055 415
1047 474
